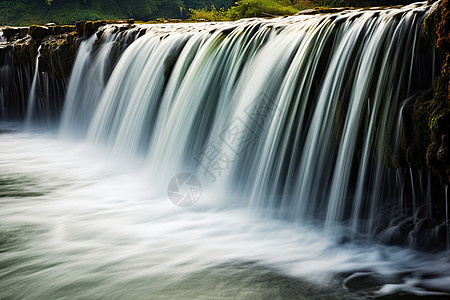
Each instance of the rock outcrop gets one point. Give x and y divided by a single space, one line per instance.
55 46
427 116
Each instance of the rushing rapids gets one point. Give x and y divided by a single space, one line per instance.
297 118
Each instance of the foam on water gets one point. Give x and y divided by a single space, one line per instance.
97 229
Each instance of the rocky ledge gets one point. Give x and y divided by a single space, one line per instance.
427 116
57 44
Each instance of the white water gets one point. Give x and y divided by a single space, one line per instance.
44 98
88 79
96 230
33 100
328 79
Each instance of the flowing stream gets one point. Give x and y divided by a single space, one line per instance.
286 127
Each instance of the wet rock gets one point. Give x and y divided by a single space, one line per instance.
39 32
62 29
307 12
88 28
25 51
427 234
11 33
424 236
80 28
58 55
321 10
366 281
442 153
426 118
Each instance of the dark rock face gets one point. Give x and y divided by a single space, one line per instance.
39 32
55 42
427 234
14 84
58 54
427 116
56 47
87 29
14 33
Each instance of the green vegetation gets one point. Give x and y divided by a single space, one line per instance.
251 8
27 12
272 8
267 8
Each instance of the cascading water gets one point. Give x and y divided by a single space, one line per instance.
95 58
15 83
328 80
297 119
447 220
44 101
32 101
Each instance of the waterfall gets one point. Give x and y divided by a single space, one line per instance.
15 82
44 104
33 91
447 221
295 115
95 59
262 158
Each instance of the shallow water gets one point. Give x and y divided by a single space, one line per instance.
75 223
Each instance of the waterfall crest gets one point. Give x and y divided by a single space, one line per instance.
297 114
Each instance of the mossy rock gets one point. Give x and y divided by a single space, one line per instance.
79 26
88 28
39 32
431 23
426 118
67 29
416 135
25 52
58 55
443 30
14 32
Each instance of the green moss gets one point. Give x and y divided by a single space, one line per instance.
427 117
430 24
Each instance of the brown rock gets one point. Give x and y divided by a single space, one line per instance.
39 32
14 32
